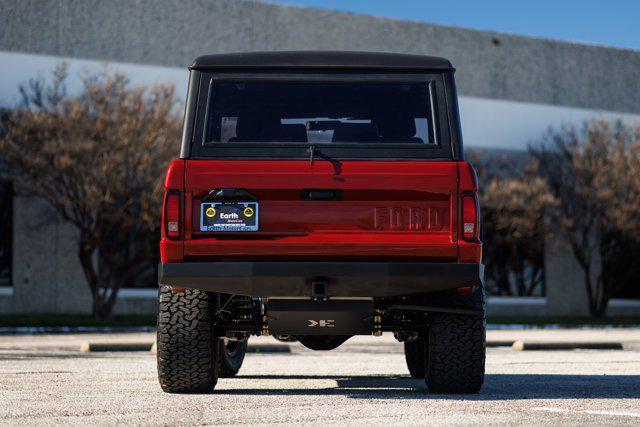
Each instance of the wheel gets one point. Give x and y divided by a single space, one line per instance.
187 350
231 357
456 356
416 357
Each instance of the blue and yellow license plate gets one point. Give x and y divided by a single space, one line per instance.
229 216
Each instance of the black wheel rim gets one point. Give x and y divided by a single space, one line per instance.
232 347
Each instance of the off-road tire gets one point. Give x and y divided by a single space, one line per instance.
231 358
416 357
187 350
456 356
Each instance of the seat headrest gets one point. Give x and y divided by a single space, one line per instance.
250 127
285 133
397 127
355 132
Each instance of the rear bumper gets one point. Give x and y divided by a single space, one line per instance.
344 279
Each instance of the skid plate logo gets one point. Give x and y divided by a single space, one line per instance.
328 323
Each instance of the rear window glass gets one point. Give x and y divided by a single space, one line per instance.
321 113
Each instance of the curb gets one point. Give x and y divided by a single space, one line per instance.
540 345
90 347
268 348
500 343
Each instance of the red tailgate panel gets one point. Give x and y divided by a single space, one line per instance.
388 210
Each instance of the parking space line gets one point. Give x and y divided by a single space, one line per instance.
590 412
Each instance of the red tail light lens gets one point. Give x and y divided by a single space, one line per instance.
469 217
172 223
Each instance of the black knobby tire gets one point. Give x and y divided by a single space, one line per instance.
231 358
456 356
416 356
187 349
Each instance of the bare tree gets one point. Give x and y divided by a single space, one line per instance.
98 159
592 173
514 201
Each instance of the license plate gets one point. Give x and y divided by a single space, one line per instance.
229 216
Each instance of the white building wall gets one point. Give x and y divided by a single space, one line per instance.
486 122
512 89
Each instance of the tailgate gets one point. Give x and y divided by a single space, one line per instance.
325 210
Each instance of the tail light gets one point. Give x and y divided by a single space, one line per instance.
466 290
172 214
470 218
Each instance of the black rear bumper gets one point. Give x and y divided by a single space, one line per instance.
344 279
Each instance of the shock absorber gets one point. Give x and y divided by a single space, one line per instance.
238 313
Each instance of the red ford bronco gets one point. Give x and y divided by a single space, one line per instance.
321 195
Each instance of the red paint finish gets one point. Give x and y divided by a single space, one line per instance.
469 216
388 209
172 250
398 210
469 251
174 179
172 215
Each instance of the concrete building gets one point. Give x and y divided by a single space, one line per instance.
511 88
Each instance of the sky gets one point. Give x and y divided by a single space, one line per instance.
611 23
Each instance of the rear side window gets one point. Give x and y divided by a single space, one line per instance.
320 113
335 115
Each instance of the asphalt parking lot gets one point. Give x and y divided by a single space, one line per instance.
46 380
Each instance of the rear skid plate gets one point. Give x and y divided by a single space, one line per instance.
319 317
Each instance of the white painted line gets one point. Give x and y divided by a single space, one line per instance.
545 409
589 412
614 413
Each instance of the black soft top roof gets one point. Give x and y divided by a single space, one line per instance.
321 59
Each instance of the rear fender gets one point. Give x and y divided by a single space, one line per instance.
468 252
173 250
